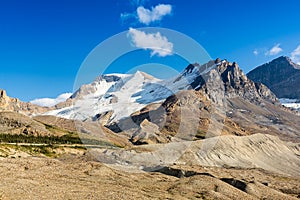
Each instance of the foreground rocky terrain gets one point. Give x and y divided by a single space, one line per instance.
79 177
259 166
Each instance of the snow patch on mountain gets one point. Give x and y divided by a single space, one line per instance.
290 103
124 94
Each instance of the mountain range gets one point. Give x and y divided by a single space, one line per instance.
210 115
126 102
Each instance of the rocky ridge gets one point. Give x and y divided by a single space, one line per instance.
15 105
281 75
221 101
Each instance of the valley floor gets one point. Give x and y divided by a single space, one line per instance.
79 177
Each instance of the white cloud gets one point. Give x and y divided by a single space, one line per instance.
158 44
156 13
274 50
144 15
255 52
48 102
295 55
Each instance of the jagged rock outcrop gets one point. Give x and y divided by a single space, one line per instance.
15 105
148 133
89 89
221 100
185 115
228 80
281 75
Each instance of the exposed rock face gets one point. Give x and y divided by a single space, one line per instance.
148 133
281 75
233 83
3 98
84 90
220 101
16 123
15 105
180 116
67 103
92 88
103 118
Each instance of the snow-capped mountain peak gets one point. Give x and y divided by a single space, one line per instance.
124 94
120 93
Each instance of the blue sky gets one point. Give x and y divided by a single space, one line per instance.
43 43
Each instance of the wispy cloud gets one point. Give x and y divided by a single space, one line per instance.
128 17
137 3
255 52
147 16
48 102
276 49
158 44
295 55
156 13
